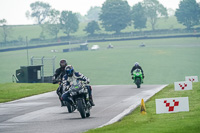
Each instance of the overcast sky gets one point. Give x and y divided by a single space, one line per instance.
14 10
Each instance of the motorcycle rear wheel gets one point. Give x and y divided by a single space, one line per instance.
138 82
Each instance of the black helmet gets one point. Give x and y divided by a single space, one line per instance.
63 63
69 70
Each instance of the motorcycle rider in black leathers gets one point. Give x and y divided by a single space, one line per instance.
69 77
137 66
57 78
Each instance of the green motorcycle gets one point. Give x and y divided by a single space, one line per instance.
137 77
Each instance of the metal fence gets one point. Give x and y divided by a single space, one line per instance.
48 66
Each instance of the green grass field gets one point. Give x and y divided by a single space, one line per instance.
14 91
181 122
163 60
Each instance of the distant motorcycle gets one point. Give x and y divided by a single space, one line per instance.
137 77
79 99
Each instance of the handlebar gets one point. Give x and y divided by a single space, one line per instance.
56 81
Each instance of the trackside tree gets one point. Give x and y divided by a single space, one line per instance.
69 22
92 27
138 16
115 15
40 11
93 13
188 13
154 10
6 31
52 26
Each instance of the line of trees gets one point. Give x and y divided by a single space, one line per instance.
114 15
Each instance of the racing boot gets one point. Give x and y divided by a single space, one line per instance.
61 101
91 101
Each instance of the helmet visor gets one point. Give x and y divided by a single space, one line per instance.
62 64
69 72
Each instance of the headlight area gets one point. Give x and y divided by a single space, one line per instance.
73 93
83 91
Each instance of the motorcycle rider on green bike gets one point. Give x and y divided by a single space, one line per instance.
137 66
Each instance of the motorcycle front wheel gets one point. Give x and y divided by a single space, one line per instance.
69 107
81 108
88 113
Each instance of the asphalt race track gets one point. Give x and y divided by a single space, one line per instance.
43 114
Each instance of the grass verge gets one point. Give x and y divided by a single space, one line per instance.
181 122
13 91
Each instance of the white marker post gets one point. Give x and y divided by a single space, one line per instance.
191 78
183 85
171 105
